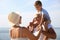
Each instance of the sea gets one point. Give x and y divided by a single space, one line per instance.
4 33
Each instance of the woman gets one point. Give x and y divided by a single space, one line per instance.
36 24
18 32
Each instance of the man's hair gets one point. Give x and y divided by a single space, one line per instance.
38 3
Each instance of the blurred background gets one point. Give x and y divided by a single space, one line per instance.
26 9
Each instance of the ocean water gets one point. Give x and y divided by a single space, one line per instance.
4 34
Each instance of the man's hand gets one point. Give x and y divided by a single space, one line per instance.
30 28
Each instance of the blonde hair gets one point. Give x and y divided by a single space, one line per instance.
14 17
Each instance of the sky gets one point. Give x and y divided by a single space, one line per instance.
26 9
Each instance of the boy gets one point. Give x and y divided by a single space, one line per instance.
18 32
48 30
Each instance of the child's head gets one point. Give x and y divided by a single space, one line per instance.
14 18
38 5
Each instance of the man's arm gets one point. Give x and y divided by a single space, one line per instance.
30 35
50 34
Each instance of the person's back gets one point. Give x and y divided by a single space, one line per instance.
17 33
